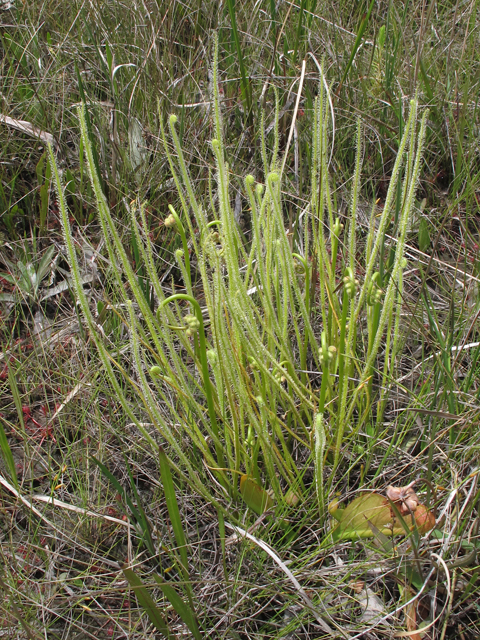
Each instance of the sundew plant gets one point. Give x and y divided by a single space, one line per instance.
239 303
275 358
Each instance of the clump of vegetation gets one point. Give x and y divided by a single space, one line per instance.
239 327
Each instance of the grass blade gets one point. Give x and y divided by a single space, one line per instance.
172 506
356 45
246 88
183 610
7 456
139 517
89 126
12 381
146 601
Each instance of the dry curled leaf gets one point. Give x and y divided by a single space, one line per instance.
405 498
372 606
28 128
407 502
411 618
424 518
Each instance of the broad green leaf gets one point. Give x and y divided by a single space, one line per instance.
367 510
44 264
423 235
373 515
25 281
255 496
9 278
382 541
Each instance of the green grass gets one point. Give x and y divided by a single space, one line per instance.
241 285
